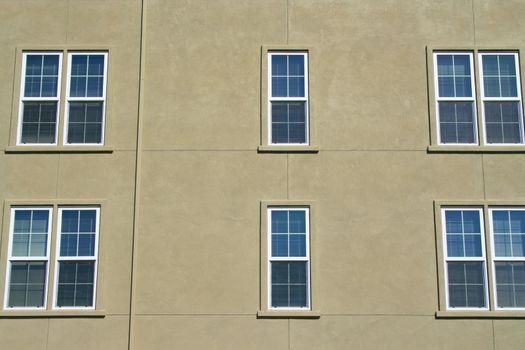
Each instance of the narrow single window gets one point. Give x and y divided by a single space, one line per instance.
501 96
508 237
455 101
289 258
28 258
39 98
288 98
86 96
77 257
465 262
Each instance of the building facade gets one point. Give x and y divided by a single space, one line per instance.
276 174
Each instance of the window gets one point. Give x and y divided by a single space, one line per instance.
288 98
479 277
41 95
288 258
75 263
499 93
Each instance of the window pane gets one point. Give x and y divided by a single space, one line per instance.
289 284
279 245
444 64
510 284
446 86
296 65
490 65
33 64
453 221
38 245
298 245
39 122
508 87
40 221
69 221
473 245
461 65
491 86
463 87
466 284
75 284
27 284
502 122
95 87
41 76
79 65
68 244
296 87
279 87
471 221
88 220
279 221
22 221
502 245
20 245
517 221
279 65
454 79
289 124
297 221
77 87
96 65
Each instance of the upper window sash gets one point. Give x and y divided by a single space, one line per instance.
500 82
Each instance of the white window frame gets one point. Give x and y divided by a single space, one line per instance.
306 258
447 259
11 258
501 259
439 99
304 99
38 99
501 99
70 99
59 258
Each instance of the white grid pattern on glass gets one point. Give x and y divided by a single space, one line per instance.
304 258
77 257
298 96
39 97
478 257
508 242
457 99
82 97
500 90
31 255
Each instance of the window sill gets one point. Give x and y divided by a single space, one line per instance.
287 149
480 314
475 149
288 314
59 149
52 313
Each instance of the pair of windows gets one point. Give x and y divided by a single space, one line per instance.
499 93
30 258
41 98
288 121
289 285
485 273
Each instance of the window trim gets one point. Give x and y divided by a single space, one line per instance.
304 99
49 312
265 244
481 147
484 205
484 99
23 99
59 258
10 258
265 127
69 99
472 99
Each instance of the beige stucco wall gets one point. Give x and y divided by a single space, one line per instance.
197 248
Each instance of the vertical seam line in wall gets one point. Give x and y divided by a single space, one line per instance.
58 175
473 21
287 22
67 18
138 164
493 336
289 342
483 177
47 333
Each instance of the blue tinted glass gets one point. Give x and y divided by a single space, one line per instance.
297 221
297 245
471 222
463 87
502 245
492 86
40 221
88 220
298 272
78 87
446 86
70 221
32 87
297 113
518 245
96 65
279 221
67 272
455 245
20 245
79 65
298 296
49 86
33 64
22 221
86 244
84 295
296 64
297 133
280 245
461 65
490 64
50 65
279 272
280 133
517 221
279 87
85 272
38 245
453 221
473 245
296 87
279 65
444 65
507 66
95 87
68 244
280 295
508 87
500 221
279 112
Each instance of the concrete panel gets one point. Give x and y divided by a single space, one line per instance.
200 230
210 332
508 334
24 334
504 176
390 332
499 24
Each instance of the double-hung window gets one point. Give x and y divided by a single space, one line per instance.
288 98
499 101
288 258
72 285
41 118
479 273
